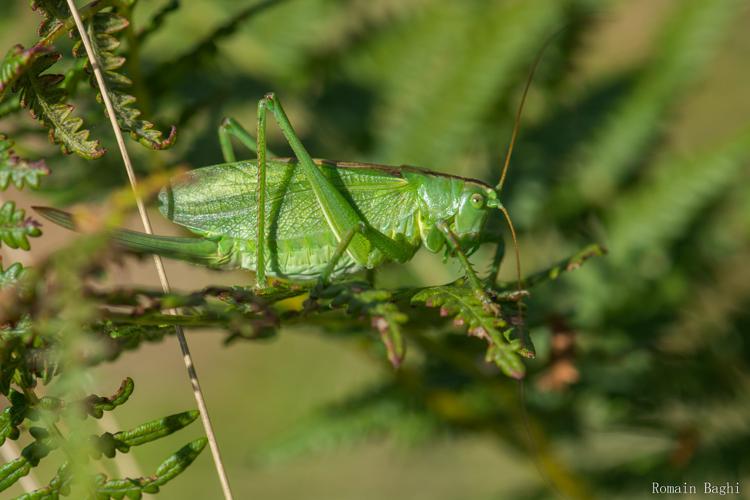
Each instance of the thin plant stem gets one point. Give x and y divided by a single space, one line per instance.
187 357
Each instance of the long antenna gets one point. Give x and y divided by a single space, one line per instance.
517 121
521 385
515 245
186 356
509 153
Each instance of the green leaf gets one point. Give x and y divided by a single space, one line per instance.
12 416
168 470
12 275
109 443
15 228
43 444
19 171
92 405
462 303
130 337
46 99
570 264
59 486
96 405
155 429
359 299
174 465
13 471
53 11
17 61
30 457
102 29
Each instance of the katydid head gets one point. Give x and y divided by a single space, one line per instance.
473 206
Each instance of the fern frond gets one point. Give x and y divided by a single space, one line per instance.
652 216
11 275
96 405
661 208
22 355
12 416
15 227
378 412
570 264
103 29
168 470
19 171
467 310
154 430
131 336
92 405
14 470
685 46
445 72
57 487
109 444
118 488
43 95
16 62
53 13
361 300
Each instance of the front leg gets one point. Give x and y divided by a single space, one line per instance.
339 214
232 128
476 284
338 253
342 218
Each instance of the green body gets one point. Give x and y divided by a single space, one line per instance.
302 219
403 204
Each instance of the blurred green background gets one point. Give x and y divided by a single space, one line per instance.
636 134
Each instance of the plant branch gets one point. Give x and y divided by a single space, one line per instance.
86 12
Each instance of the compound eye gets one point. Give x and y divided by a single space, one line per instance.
477 200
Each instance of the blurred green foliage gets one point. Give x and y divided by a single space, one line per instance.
642 369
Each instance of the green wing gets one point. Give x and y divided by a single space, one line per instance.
220 200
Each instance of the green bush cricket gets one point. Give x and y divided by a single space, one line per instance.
311 220
306 220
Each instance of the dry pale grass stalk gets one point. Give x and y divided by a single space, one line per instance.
187 357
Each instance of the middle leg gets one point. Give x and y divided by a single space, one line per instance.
476 284
341 216
232 128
